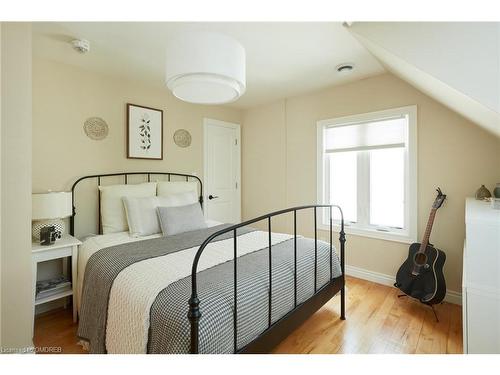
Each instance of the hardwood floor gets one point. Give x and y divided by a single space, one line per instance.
377 322
56 329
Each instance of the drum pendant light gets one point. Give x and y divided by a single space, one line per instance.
205 68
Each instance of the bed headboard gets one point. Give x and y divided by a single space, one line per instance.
125 177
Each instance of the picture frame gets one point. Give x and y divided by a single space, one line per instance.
144 132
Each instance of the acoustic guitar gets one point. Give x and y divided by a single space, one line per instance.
421 275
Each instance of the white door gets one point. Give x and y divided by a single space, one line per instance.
222 197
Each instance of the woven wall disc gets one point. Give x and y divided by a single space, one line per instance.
96 128
182 138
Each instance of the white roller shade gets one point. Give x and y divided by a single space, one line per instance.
385 133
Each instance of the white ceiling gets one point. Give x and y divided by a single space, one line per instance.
283 59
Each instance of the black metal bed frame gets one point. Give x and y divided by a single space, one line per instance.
98 178
278 330
281 328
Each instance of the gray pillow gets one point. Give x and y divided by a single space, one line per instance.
174 220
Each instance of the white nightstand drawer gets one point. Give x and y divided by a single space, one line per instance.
50 253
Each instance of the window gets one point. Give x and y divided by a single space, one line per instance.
367 166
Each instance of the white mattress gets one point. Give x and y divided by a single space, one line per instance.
95 243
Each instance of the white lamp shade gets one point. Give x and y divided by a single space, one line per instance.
205 68
51 205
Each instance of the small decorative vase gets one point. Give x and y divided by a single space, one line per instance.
482 193
496 191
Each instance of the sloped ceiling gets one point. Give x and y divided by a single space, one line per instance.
457 64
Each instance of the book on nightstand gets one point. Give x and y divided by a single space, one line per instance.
51 287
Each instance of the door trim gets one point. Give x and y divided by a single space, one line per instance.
212 122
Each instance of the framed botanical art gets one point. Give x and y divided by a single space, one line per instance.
144 132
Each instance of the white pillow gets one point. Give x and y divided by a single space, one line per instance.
141 217
113 217
180 199
141 212
166 188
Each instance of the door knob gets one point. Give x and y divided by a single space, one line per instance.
212 196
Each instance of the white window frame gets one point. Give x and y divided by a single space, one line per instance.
409 233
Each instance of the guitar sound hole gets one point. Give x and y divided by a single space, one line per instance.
420 259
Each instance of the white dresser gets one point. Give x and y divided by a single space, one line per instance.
481 278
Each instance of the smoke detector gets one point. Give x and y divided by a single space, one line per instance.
345 68
81 45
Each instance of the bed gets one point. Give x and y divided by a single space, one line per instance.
225 288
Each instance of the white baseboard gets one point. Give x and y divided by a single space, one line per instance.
380 278
453 297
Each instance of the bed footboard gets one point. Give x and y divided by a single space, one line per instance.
278 330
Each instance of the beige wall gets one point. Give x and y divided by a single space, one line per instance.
15 138
263 157
279 163
65 96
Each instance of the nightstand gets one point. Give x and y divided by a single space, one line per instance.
66 247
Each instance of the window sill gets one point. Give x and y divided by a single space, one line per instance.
371 233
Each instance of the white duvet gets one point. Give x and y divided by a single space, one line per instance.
96 243
137 286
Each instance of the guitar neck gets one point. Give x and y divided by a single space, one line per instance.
428 229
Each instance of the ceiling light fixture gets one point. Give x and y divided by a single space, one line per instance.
205 68
345 68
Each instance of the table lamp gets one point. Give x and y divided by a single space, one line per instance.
48 209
